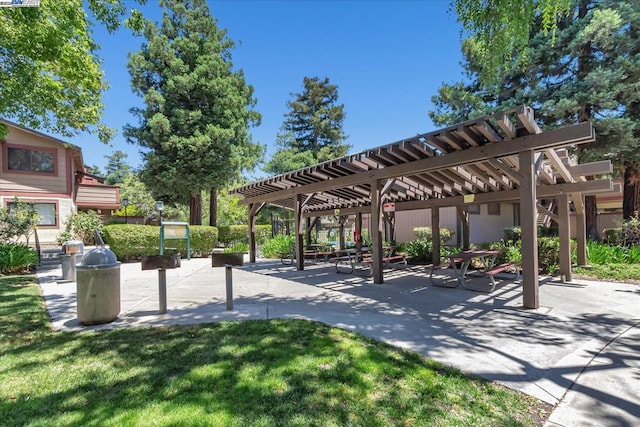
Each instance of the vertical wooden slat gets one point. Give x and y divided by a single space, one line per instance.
299 250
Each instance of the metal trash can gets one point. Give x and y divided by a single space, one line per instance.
98 287
73 247
68 267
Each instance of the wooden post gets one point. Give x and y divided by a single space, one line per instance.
376 231
342 220
307 231
435 235
229 286
463 214
162 291
565 237
528 210
252 233
359 230
581 230
299 250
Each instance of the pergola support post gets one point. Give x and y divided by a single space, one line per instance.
463 214
299 250
581 230
307 229
565 237
376 231
435 235
528 210
342 219
359 231
254 208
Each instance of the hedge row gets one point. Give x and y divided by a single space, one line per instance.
232 234
130 241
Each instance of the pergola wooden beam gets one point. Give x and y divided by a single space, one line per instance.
575 134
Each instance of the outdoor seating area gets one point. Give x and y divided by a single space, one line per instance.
456 271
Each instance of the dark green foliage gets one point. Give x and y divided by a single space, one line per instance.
421 250
130 242
16 258
81 226
512 234
278 246
312 130
231 234
194 127
603 253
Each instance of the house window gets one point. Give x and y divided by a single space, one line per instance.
493 208
46 213
28 160
473 209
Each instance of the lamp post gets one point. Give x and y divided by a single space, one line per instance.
125 203
160 208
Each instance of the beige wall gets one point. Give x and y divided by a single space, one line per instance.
34 183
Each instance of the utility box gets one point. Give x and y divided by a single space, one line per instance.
154 262
98 287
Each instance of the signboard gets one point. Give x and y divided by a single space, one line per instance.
389 207
469 198
175 230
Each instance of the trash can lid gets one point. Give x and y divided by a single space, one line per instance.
99 256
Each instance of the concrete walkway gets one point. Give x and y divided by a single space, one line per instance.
579 351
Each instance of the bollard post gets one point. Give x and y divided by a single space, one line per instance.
162 290
229 282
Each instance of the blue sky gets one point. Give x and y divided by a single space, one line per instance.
386 57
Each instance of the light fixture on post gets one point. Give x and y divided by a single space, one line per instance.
125 203
160 208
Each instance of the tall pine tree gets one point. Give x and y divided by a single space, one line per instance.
312 131
194 127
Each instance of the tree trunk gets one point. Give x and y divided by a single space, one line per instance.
591 217
213 207
630 202
195 208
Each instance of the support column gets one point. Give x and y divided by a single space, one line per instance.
253 211
359 230
307 230
376 231
342 219
564 233
528 211
299 250
435 235
581 230
463 214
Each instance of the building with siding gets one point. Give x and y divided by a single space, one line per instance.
50 173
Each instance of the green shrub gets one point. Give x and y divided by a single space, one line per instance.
18 222
277 246
16 258
228 235
241 247
426 233
613 236
131 241
603 253
512 234
421 250
81 226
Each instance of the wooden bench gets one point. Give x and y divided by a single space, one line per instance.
491 273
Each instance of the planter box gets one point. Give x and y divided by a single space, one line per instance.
219 259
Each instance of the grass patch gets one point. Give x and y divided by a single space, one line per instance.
254 373
617 272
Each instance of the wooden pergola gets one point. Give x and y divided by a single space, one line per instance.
501 157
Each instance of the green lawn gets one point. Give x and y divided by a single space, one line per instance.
279 372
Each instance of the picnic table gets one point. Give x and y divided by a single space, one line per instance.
460 263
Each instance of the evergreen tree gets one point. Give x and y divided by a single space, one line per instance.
198 109
117 168
312 130
590 73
